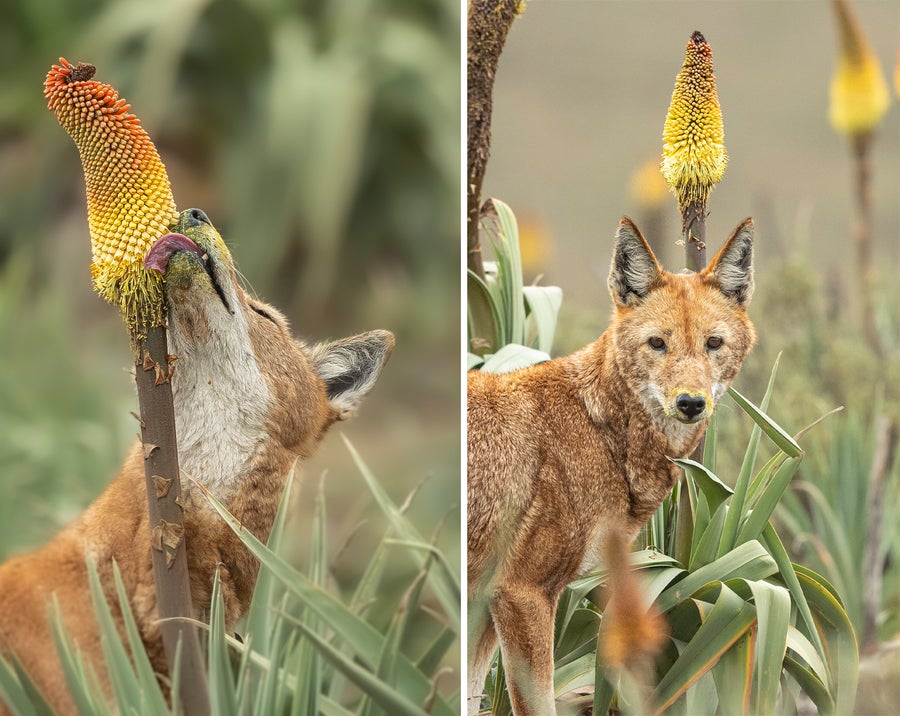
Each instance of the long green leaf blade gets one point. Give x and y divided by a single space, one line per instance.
773 611
727 621
775 432
443 582
747 561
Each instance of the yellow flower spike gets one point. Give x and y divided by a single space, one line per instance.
694 156
859 91
129 200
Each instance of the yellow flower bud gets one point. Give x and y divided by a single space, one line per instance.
694 156
129 200
859 92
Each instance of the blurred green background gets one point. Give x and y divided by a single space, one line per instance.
322 138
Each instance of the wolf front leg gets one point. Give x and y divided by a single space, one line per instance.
482 642
524 615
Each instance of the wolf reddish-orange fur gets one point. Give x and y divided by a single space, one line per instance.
566 452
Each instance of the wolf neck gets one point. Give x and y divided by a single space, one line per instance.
222 401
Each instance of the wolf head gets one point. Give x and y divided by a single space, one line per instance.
243 386
680 338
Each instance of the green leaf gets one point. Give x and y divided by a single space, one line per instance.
365 641
811 684
838 633
574 674
473 361
784 441
125 685
147 679
707 546
789 576
803 648
387 665
577 637
443 581
710 442
513 356
260 622
18 692
747 561
603 688
505 242
544 303
483 316
390 699
733 677
80 678
773 611
710 485
757 519
750 453
433 655
704 697
774 431
727 621
308 668
221 681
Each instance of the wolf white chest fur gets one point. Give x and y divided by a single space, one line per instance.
220 380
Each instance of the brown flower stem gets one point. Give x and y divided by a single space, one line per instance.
153 371
489 22
863 235
873 560
693 226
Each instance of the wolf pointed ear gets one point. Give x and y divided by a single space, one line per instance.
635 269
732 268
350 367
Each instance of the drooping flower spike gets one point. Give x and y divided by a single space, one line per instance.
694 157
129 199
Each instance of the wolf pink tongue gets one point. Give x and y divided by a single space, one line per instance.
159 254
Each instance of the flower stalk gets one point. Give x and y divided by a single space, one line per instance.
694 157
130 206
859 101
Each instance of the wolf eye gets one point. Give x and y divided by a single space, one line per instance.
714 343
657 343
264 314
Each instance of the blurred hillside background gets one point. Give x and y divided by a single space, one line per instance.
580 101
322 138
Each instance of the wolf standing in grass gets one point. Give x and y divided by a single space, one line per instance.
566 454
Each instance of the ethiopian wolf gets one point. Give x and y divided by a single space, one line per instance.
564 455
249 401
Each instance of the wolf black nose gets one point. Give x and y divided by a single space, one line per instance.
195 217
690 405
